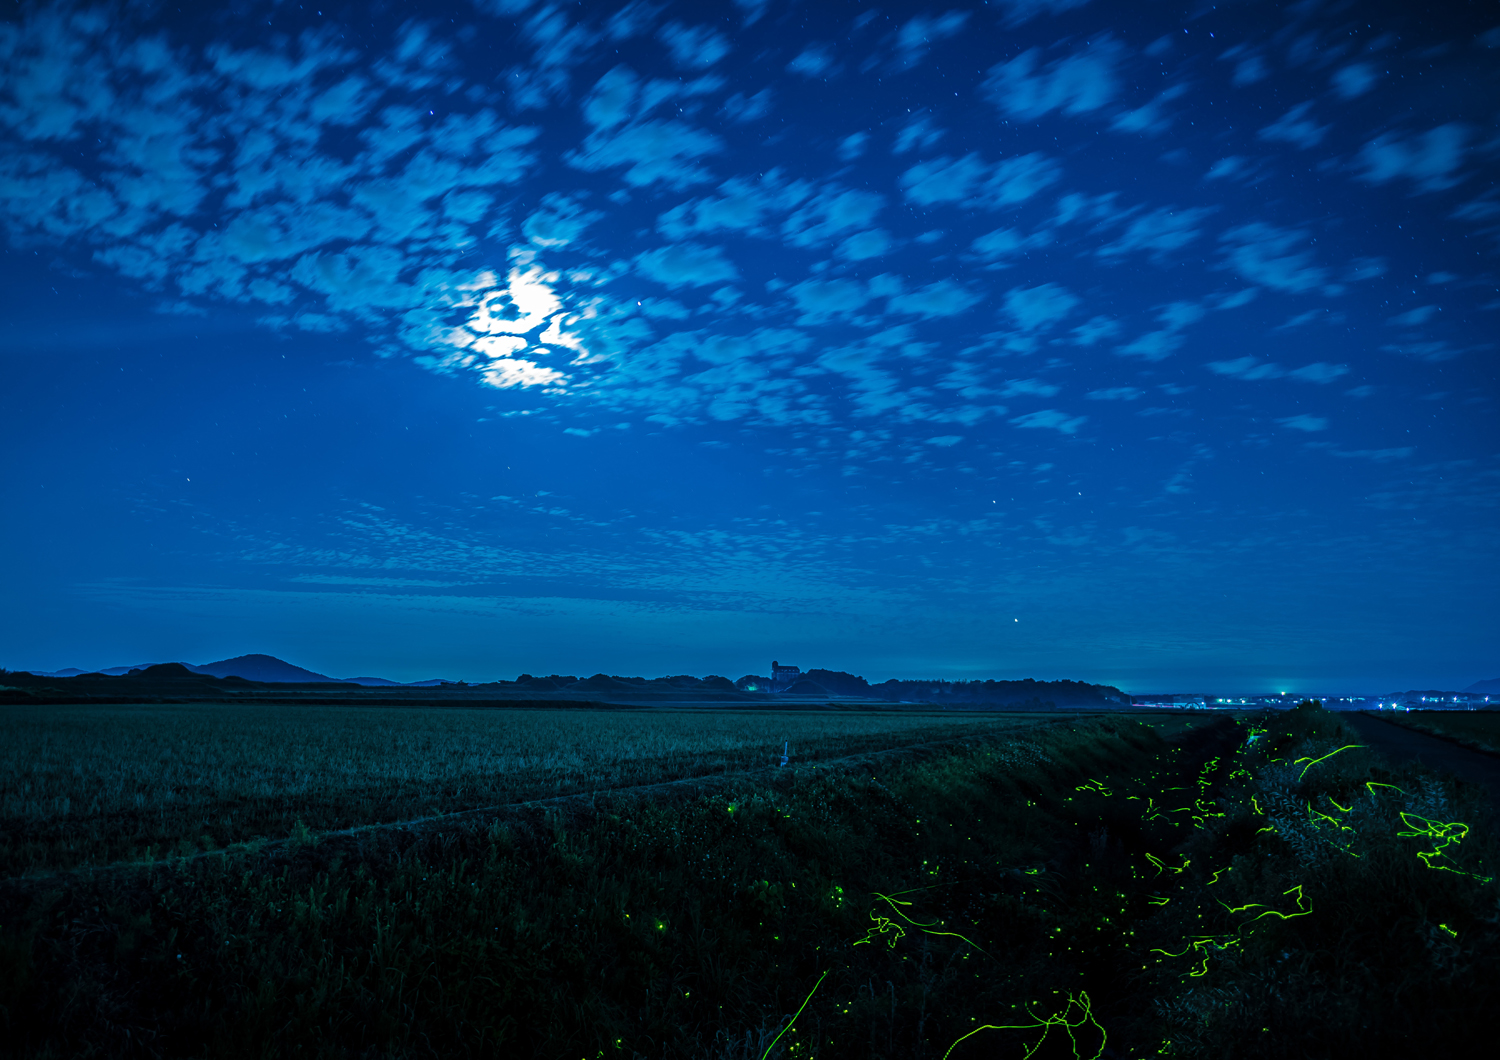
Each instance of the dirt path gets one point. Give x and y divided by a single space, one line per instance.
1403 745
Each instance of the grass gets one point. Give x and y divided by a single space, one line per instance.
1479 729
83 785
1251 890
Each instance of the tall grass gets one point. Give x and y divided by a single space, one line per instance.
1333 906
89 785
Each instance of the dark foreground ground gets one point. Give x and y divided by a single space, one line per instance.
1080 888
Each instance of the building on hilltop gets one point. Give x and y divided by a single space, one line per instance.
783 677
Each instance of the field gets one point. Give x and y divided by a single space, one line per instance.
91 785
1479 729
925 886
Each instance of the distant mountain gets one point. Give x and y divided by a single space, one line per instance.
265 668
1485 687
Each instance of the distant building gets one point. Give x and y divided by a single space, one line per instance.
783 677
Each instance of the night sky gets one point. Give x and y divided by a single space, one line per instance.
1147 343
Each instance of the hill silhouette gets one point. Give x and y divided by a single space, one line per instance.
264 668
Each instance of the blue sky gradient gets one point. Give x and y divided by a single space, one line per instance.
1152 344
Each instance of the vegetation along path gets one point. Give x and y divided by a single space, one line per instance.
1265 888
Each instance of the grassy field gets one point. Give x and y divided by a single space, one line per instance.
86 785
1086 888
1472 728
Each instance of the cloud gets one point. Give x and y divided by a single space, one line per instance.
970 181
875 391
612 100
1073 85
853 146
1094 330
1051 418
1159 233
814 60
916 136
1354 80
1482 210
1433 352
654 152
821 299
1319 372
742 108
1178 315
1249 70
945 440
1238 298
1428 160
1413 317
1150 118
1003 243
556 42
1294 127
686 265
1379 456
831 213
941 299
741 205
1310 424
1028 388
1264 254
915 37
1116 393
1364 269
505 374
1247 368
1152 346
560 221
865 245
1226 168
633 20
693 47
1034 308
1019 11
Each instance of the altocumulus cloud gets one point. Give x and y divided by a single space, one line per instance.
686 264
509 206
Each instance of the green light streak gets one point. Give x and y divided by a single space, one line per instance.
1301 907
788 1027
1314 761
884 924
1045 1024
1443 835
